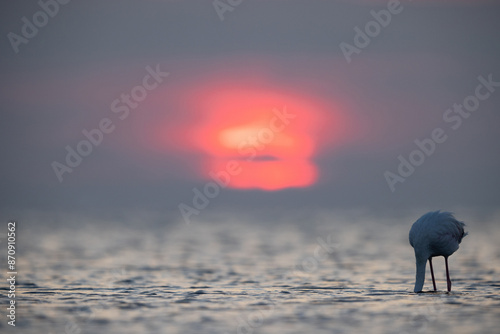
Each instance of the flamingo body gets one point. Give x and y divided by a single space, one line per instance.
434 234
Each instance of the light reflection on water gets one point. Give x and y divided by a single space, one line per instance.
331 277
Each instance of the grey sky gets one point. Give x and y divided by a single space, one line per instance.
397 88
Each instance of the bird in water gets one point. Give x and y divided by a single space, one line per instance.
434 234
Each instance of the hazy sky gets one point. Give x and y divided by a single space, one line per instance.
176 92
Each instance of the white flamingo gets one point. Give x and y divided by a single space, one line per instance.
434 234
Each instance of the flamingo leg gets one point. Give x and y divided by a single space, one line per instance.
448 280
432 274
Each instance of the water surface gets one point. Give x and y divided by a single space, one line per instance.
326 276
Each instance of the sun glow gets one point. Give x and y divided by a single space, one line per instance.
269 134
269 174
233 137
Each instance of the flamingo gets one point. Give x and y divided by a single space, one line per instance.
434 234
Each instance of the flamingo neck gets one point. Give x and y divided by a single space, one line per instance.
420 277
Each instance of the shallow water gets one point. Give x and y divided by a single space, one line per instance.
331 276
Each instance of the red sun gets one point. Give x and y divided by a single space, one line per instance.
252 136
267 137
